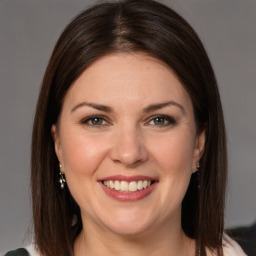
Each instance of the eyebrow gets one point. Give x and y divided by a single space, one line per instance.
155 107
93 105
150 108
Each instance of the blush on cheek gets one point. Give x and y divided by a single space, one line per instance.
80 155
180 156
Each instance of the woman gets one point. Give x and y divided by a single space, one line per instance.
129 149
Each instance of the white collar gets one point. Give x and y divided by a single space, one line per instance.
32 250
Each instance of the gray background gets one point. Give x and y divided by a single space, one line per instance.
28 32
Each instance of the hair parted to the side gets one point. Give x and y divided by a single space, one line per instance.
128 26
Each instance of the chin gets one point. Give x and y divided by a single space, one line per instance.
133 226
131 231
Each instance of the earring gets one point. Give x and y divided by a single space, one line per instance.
198 174
62 180
197 166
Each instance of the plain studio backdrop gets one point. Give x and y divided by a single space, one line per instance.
28 32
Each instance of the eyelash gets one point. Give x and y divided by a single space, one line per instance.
168 121
88 121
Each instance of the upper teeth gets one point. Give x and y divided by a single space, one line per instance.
125 186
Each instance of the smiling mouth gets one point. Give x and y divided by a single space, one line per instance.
127 187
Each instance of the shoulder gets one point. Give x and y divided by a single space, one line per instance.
27 251
231 248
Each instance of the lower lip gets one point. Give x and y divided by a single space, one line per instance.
127 197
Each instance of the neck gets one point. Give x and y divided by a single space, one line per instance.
165 241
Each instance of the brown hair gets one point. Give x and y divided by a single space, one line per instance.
128 26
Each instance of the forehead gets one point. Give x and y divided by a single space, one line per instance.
133 77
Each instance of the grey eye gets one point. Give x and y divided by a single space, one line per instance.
162 120
159 121
96 121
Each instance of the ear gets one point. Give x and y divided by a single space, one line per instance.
56 139
199 149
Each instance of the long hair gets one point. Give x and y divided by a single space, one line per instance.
128 26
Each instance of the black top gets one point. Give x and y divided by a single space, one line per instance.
246 237
18 252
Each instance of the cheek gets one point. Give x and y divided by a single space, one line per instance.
174 157
174 153
81 154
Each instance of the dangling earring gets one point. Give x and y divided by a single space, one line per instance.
62 180
198 174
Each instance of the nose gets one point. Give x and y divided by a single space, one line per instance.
129 147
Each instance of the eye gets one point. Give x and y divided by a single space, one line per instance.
94 121
162 120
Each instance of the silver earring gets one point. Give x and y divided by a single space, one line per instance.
62 180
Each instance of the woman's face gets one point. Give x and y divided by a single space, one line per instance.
128 144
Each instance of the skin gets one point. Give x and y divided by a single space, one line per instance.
129 141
